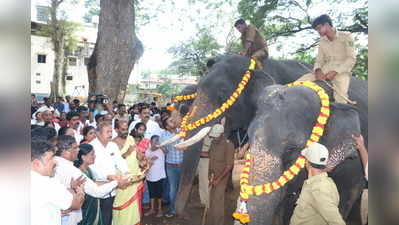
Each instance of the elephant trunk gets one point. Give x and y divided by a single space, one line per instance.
201 107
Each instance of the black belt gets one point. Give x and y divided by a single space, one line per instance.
173 164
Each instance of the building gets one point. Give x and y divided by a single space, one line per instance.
42 55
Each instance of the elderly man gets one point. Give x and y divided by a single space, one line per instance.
108 163
335 58
318 202
221 161
254 44
48 196
67 152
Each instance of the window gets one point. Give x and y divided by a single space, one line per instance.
87 60
37 74
72 61
41 58
69 77
38 82
42 13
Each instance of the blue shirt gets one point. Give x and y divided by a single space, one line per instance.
173 156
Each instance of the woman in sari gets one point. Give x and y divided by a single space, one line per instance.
91 213
127 203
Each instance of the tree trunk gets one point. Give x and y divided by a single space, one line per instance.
116 51
58 41
64 74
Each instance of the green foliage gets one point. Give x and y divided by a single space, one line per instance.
192 55
361 67
167 89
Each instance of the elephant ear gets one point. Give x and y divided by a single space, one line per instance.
343 123
258 84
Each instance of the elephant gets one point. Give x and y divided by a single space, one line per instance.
282 124
218 84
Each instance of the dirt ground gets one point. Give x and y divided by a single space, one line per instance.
194 210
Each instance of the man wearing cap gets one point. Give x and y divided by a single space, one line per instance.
318 202
253 42
221 161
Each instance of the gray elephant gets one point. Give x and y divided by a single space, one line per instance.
221 80
279 130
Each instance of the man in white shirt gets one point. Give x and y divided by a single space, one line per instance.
108 163
152 126
65 156
73 119
48 196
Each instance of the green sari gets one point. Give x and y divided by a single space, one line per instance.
91 213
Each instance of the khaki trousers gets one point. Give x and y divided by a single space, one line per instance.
364 206
203 168
259 56
216 212
340 82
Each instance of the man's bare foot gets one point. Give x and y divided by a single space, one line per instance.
149 213
159 214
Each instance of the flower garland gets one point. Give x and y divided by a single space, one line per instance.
184 98
226 105
247 190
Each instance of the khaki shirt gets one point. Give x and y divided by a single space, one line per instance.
221 155
337 55
253 35
318 203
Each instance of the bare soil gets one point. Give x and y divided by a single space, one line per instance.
195 211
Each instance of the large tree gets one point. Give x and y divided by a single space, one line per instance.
191 56
116 51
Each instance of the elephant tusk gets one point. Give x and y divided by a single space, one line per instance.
196 138
171 140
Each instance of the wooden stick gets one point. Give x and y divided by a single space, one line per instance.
340 94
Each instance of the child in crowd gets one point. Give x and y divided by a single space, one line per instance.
156 175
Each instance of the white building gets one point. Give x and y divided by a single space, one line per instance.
42 55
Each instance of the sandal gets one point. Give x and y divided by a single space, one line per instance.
169 215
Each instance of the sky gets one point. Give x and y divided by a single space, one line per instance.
172 26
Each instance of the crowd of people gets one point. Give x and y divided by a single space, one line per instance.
101 163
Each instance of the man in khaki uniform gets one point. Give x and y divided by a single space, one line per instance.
203 168
318 202
335 58
254 45
221 161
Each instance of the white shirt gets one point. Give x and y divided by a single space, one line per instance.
152 128
77 135
157 170
48 198
108 161
65 170
66 107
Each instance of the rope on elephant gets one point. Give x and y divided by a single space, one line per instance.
185 126
246 190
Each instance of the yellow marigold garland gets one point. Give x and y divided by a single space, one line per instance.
247 190
184 97
226 105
